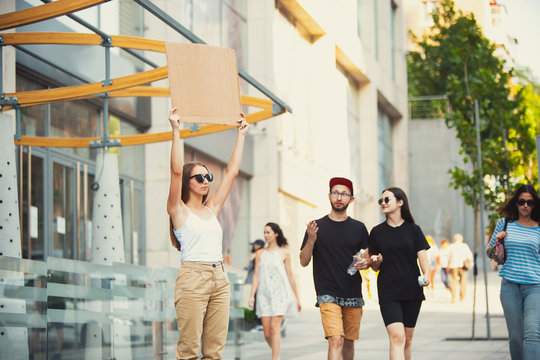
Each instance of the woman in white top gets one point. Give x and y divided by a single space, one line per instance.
273 282
202 291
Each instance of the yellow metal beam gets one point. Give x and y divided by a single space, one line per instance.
130 42
143 91
25 38
44 12
140 139
78 91
127 86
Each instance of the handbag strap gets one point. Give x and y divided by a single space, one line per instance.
504 229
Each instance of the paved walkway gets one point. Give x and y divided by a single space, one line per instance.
443 332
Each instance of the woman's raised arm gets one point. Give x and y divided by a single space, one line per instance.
174 200
216 200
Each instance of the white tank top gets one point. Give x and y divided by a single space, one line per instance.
200 239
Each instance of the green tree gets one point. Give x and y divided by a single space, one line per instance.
524 134
454 58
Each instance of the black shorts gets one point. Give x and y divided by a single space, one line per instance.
404 311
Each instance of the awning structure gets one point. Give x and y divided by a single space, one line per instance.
126 86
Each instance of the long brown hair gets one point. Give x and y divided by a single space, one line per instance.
280 240
509 208
186 174
400 195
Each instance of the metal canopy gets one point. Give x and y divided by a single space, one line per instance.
125 86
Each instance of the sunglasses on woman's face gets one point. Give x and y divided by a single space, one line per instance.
200 177
521 202
385 200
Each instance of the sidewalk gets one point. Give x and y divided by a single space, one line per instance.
439 322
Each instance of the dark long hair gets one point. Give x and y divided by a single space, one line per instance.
280 240
509 208
400 195
186 174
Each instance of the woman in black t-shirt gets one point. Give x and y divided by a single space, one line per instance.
395 246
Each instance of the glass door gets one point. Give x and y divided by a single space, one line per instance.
32 200
72 200
63 211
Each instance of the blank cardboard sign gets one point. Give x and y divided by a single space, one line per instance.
203 82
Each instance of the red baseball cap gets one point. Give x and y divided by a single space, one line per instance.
341 181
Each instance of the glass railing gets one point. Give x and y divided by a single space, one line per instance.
68 309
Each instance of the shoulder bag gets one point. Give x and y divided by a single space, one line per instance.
496 252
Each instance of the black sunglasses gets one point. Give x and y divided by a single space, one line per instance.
200 177
386 200
522 202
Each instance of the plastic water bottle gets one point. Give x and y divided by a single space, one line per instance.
351 270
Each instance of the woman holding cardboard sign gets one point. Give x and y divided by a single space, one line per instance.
201 295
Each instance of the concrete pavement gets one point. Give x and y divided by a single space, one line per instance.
443 331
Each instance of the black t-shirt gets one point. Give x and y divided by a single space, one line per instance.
398 276
337 243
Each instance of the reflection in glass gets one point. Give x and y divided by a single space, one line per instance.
63 224
75 119
32 117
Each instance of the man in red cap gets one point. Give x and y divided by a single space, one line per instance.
332 241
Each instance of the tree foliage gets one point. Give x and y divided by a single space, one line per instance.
455 58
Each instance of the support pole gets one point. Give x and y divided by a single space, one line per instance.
482 225
13 339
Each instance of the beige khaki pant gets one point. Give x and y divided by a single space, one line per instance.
456 273
201 299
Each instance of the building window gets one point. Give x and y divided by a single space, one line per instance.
219 23
353 129
358 22
376 32
386 165
393 12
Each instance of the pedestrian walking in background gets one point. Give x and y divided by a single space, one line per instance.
250 264
332 241
274 286
396 247
460 260
202 290
250 268
444 255
520 283
434 261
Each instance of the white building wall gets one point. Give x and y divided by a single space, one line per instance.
264 183
314 142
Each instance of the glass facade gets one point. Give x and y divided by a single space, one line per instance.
56 183
75 309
